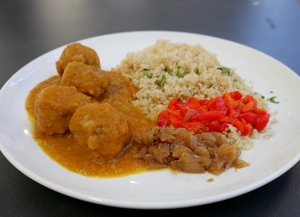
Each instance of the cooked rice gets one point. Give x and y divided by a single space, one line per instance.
169 70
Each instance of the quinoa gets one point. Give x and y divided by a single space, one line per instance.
169 70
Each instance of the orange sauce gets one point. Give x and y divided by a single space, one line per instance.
64 150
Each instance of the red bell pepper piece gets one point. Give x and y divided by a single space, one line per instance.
249 107
239 125
247 129
262 121
162 120
212 115
249 117
236 95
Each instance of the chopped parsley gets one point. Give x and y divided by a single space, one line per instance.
186 72
163 81
179 75
170 72
226 70
149 75
120 88
145 70
196 71
272 99
234 80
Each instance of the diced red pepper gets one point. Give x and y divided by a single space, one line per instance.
228 120
247 129
229 100
174 112
234 113
214 126
162 120
193 126
240 104
192 102
203 102
239 126
249 117
201 109
242 120
211 104
183 110
212 115
223 127
236 95
220 103
249 98
215 114
260 111
249 107
262 121
175 120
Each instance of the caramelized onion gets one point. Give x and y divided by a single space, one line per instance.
181 150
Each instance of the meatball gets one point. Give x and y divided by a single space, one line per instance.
54 107
101 128
87 79
77 52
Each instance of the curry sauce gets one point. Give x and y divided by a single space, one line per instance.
79 159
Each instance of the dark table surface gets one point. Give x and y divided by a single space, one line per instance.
29 28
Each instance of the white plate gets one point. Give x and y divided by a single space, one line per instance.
164 189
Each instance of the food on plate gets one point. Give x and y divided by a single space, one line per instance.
102 128
87 79
169 70
181 150
166 71
54 107
215 115
79 53
171 105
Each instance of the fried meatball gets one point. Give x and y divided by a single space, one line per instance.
54 107
101 128
77 52
87 79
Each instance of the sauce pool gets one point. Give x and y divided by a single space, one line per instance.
64 150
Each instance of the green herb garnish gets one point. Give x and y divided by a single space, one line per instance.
226 70
170 72
272 99
197 71
179 75
163 81
149 75
145 70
